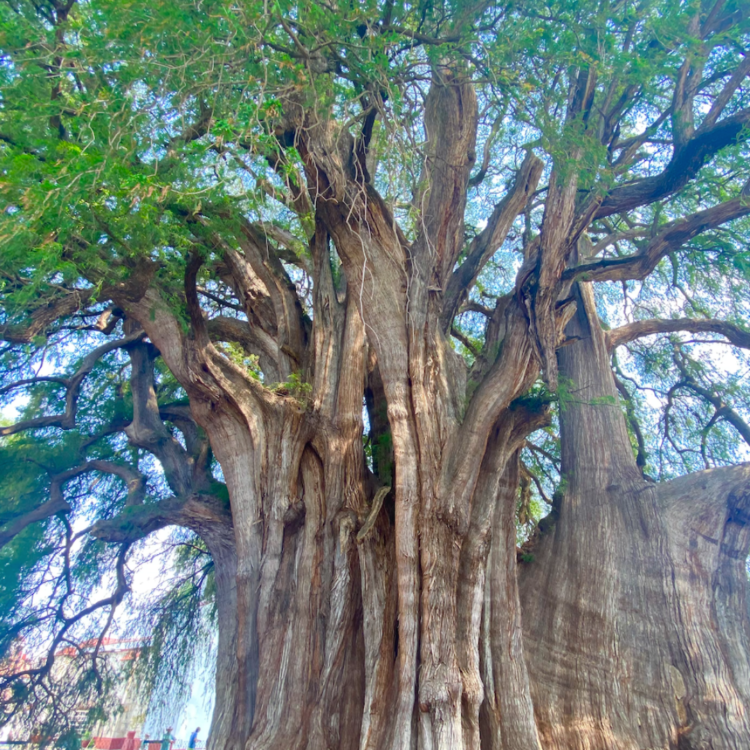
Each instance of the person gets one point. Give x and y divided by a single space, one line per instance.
166 740
193 739
144 742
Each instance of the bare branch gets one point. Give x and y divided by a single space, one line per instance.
32 381
640 459
478 178
721 101
615 237
66 421
113 600
640 328
219 300
725 411
134 480
456 333
484 245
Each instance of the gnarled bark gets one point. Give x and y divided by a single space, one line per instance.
378 606
633 606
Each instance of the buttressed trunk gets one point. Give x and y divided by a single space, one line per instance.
381 611
379 608
368 596
634 608
361 599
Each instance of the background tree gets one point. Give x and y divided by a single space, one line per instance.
325 284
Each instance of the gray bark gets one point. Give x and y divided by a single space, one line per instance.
633 609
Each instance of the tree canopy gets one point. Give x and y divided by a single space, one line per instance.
314 218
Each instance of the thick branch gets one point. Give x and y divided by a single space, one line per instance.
43 317
724 411
562 224
290 328
134 480
66 421
53 506
451 125
672 237
252 339
683 167
196 441
200 513
512 373
147 429
218 382
640 328
484 245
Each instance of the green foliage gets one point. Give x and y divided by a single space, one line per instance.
382 452
136 133
296 387
176 621
248 362
568 394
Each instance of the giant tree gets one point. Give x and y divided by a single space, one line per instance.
325 284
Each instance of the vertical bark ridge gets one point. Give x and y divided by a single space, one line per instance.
290 645
373 260
491 524
451 115
434 478
227 667
507 715
706 587
584 619
235 451
376 554
621 601
314 676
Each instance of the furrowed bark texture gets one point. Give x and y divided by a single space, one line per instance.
294 666
380 608
437 448
634 607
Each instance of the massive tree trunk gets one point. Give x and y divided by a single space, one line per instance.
634 607
632 617
380 606
380 609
